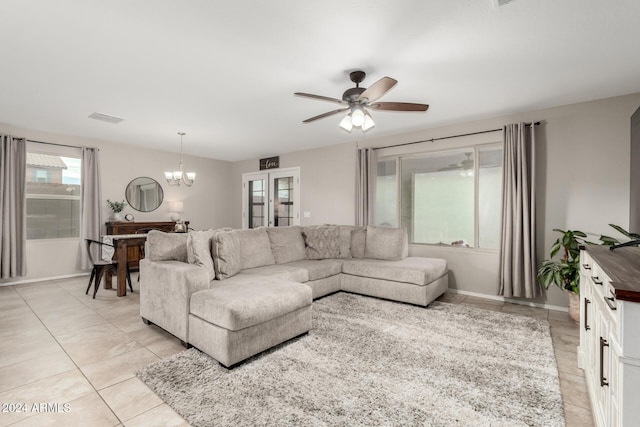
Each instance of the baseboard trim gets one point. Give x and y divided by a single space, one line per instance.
509 300
42 279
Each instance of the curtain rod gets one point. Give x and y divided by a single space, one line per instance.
446 137
59 145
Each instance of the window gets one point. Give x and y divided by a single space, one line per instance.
53 195
445 198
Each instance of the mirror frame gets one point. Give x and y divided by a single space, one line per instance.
150 181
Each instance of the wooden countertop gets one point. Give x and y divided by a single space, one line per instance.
623 268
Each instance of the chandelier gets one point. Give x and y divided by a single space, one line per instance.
174 178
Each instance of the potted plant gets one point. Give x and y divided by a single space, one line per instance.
116 208
565 272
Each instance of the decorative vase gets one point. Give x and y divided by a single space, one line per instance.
116 216
574 306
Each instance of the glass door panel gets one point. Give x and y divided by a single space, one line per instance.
271 199
284 196
255 206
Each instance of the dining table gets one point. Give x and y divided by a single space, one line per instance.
118 252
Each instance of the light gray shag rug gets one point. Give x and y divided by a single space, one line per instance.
370 362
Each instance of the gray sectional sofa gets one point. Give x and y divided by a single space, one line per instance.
235 293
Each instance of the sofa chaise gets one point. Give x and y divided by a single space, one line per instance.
235 293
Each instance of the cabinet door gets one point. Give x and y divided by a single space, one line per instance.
602 359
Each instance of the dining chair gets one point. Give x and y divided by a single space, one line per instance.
101 266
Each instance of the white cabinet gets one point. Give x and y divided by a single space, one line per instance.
609 349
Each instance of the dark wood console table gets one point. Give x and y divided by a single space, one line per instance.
129 248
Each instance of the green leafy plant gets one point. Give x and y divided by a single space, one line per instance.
116 207
610 241
565 272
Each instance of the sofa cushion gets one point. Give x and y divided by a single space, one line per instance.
166 246
415 270
385 243
318 268
246 300
255 248
280 271
226 254
358 242
321 242
287 243
199 250
236 250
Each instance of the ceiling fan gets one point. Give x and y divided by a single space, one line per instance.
358 100
466 166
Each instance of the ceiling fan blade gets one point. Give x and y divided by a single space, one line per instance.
322 116
399 106
320 97
378 89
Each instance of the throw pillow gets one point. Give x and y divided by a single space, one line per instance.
344 240
167 246
385 243
226 254
358 242
287 243
199 250
321 242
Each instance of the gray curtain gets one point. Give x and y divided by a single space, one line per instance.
518 244
91 217
365 167
13 225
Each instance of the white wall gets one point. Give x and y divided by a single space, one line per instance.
582 181
327 181
205 203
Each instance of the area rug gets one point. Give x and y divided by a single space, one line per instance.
371 362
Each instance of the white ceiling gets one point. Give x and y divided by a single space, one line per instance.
225 72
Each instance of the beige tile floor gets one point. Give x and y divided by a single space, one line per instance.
61 347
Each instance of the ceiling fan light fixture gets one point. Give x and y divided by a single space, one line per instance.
357 117
368 122
346 123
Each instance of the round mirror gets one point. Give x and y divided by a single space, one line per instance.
144 194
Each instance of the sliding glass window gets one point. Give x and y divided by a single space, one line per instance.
447 198
53 192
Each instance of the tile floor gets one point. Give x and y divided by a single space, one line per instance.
59 346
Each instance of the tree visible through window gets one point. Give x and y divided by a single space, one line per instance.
53 196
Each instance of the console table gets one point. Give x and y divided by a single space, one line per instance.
609 350
129 238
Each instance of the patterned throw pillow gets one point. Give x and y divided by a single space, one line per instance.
321 242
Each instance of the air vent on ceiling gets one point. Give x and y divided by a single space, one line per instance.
498 3
106 118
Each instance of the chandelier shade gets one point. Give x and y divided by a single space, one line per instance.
174 178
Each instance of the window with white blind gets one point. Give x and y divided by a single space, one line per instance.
450 197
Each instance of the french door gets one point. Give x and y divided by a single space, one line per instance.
271 198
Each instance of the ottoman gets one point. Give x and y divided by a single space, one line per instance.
244 315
